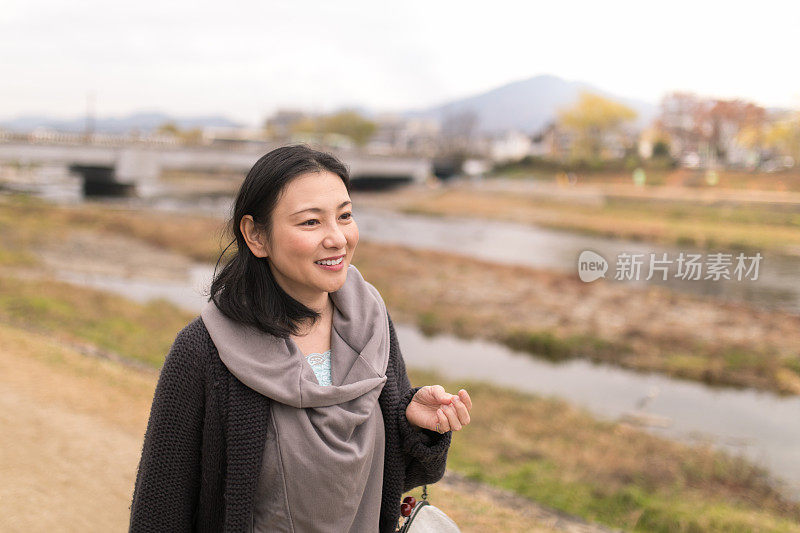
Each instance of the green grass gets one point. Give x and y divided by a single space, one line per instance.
138 331
548 345
793 364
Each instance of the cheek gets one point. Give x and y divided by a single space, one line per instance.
352 235
300 245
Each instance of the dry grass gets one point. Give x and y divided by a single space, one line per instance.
611 473
34 221
661 222
549 314
542 449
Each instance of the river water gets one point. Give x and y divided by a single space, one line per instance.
776 285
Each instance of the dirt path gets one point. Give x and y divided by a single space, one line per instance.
62 471
72 430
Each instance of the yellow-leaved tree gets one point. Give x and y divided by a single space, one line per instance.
595 122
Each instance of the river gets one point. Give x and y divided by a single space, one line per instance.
777 285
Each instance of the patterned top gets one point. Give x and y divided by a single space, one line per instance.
321 365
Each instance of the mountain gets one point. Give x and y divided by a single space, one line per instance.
143 122
527 105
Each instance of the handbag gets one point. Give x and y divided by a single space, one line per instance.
425 517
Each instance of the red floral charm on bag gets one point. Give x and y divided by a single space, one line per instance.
423 517
408 505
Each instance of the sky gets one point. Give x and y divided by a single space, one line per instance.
245 59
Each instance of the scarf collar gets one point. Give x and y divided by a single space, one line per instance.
329 436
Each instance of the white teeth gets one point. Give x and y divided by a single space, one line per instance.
330 263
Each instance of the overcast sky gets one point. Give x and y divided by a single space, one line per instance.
244 59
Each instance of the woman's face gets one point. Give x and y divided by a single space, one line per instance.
312 221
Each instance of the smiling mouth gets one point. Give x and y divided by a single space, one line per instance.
330 262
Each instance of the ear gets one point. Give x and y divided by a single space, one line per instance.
253 237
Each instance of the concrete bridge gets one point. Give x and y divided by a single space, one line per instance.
138 166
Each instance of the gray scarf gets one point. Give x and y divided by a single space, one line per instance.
329 439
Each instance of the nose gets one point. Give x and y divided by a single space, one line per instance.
334 238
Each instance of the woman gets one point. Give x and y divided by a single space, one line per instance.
286 406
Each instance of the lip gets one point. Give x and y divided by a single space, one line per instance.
334 258
334 268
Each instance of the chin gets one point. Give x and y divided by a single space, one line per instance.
337 283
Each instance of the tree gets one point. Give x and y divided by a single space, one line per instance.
348 123
723 121
660 149
351 124
281 124
679 120
169 128
306 125
783 136
593 119
710 128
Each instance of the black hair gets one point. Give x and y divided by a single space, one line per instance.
245 289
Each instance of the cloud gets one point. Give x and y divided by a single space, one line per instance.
244 58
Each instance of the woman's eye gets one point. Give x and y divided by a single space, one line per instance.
314 221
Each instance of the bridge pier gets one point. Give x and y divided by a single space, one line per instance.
141 168
98 180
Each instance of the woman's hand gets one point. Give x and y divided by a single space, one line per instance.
434 408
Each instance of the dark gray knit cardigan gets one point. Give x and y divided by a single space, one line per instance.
207 431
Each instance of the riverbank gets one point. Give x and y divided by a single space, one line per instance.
541 449
712 219
558 317
697 179
549 314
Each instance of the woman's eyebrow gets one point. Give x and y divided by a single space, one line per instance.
318 210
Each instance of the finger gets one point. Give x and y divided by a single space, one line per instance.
461 411
436 390
440 394
444 424
452 417
464 395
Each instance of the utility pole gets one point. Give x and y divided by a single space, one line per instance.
89 128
